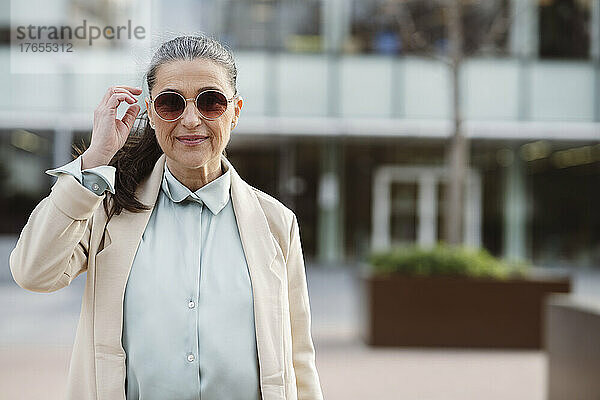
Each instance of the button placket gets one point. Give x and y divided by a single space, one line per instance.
192 304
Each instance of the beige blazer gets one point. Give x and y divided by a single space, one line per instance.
67 234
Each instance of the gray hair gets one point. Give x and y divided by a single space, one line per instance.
191 48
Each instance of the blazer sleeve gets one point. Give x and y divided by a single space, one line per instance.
52 248
303 352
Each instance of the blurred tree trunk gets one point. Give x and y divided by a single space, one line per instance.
457 156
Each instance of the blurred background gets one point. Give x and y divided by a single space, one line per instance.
363 117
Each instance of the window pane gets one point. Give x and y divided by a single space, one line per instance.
564 28
420 26
276 25
403 213
24 156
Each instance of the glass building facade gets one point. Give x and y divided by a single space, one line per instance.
348 112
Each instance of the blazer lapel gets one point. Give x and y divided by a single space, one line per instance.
260 251
114 262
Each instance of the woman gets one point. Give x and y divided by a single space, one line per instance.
195 280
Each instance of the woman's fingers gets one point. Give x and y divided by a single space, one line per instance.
118 89
130 115
117 98
133 91
109 133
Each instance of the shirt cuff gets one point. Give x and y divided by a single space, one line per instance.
97 179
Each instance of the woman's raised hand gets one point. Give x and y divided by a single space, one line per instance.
110 133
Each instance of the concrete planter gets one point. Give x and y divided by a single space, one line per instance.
572 345
456 311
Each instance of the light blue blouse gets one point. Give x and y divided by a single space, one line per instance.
188 316
97 179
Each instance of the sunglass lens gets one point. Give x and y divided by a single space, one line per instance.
212 104
169 105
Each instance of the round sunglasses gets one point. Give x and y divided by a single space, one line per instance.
211 103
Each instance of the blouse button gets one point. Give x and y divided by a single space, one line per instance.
191 304
190 358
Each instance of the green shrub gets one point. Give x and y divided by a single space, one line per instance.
443 260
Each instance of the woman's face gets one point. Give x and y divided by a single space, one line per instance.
190 78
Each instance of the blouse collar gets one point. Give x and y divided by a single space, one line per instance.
215 194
